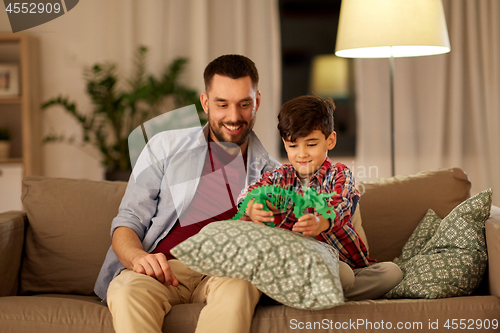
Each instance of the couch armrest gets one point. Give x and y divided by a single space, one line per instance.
11 247
493 242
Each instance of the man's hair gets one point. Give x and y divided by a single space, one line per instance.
234 66
302 115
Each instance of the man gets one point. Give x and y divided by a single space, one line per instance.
179 176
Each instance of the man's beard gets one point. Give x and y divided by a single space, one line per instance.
219 134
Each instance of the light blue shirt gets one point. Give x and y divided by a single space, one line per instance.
163 184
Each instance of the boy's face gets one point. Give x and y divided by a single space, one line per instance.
308 153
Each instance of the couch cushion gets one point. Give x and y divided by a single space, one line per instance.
68 233
383 316
50 314
393 207
54 314
293 269
453 261
357 224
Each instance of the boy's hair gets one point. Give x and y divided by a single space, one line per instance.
302 115
234 66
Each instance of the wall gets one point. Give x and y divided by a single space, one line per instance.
96 31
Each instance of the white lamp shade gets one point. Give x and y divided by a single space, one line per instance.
385 28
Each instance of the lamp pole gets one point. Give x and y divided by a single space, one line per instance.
393 163
389 29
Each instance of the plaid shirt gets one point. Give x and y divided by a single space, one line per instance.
327 179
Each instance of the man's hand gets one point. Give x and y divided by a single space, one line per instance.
311 225
257 214
156 266
129 251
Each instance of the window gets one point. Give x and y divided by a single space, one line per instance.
309 30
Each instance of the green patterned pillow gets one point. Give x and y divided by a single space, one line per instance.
422 234
293 269
453 261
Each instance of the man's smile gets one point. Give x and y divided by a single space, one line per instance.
232 129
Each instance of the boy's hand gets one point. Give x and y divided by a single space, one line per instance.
257 214
311 225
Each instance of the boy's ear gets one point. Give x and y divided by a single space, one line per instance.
332 140
284 143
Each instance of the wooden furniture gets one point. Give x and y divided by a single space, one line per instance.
21 114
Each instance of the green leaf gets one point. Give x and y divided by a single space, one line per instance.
118 109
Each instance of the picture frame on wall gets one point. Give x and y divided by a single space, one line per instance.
9 80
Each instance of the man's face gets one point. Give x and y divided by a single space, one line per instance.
231 105
308 153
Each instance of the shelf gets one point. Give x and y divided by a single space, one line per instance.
10 100
12 160
22 113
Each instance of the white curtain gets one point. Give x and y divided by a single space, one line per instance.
96 31
447 107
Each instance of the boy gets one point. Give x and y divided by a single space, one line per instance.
306 128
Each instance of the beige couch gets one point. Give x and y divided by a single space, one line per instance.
50 258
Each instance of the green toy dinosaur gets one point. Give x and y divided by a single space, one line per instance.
278 196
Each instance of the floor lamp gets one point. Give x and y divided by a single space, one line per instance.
391 29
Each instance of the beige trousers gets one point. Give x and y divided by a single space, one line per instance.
370 282
139 303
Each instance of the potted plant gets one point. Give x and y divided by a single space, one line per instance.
5 136
116 112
